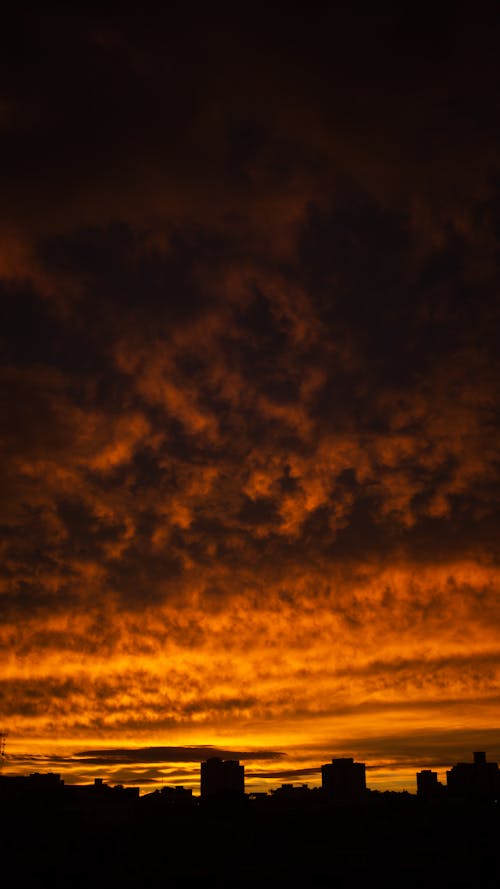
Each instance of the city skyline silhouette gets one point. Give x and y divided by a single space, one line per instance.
341 831
341 777
250 442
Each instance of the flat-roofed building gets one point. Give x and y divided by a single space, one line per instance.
221 777
428 786
344 779
474 779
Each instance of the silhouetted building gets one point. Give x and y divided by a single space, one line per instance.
291 791
41 786
100 790
344 779
474 779
49 788
178 798
177 794
428 786
222 777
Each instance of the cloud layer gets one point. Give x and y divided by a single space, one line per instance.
249 376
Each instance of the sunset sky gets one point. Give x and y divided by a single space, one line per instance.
249 372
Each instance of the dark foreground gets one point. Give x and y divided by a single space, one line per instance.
386 843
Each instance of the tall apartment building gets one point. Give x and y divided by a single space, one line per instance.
344 779
222 777
474 779
428 786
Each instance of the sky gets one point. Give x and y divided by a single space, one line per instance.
249 375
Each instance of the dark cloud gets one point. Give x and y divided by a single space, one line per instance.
169 754
285 774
